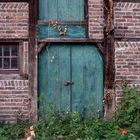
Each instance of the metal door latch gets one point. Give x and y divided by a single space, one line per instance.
67 83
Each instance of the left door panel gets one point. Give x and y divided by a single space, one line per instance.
53 71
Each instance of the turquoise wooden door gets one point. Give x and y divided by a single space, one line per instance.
70 76
69 14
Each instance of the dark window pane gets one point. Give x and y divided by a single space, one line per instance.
6 51
14 63
0 51
14 51
0 62
6 63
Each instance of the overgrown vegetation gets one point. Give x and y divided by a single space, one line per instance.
128 113
61 125
125 125
13 131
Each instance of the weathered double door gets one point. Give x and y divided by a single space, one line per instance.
70 76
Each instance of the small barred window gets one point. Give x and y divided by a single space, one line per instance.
9 57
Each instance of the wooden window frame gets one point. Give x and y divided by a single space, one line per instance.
10 70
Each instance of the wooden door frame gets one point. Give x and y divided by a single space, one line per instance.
106 46
33 60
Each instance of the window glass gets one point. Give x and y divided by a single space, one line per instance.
6 51
14 51
14 63
6 63
0 62
0 51
9 57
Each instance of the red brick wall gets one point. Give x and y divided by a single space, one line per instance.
14 88
127 19
14 99
96 19
14 20
127 65
127 53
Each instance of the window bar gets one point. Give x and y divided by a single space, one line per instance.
2 57
10 57
18 59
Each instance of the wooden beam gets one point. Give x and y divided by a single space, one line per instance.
100 47
33 59
41 46
15 0
48 22
109 45
69 40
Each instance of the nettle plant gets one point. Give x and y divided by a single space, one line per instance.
129 109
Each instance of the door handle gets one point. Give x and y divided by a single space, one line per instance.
67 83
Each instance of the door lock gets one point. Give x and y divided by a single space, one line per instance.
67 83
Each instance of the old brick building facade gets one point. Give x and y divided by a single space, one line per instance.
18 89
127 43
14 87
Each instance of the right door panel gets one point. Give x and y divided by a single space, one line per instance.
87 75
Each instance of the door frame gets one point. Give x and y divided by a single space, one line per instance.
38 47
106 47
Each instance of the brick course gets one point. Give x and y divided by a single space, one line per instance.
14 17
127 64
127 53
127 19
96 19
14 89
14 100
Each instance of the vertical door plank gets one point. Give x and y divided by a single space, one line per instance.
63 10
53 75
89 83
42 82
52 9
99 80
64 64
93 81
42 73
81 10
77 78
68 10
76 10
43 9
